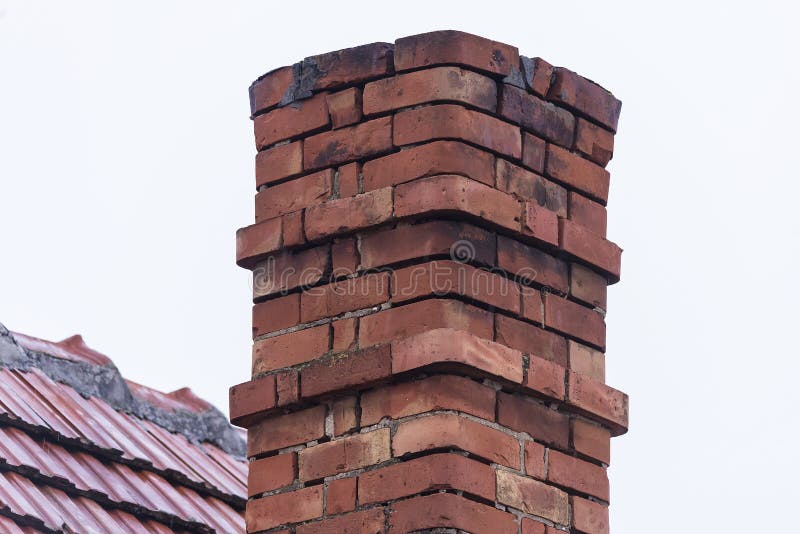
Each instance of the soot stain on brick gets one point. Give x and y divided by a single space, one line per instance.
304 77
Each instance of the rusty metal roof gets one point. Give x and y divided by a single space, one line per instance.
74 457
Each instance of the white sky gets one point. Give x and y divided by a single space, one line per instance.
126 165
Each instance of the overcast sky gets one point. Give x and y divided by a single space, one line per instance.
126 165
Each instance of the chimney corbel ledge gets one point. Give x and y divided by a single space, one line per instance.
430 269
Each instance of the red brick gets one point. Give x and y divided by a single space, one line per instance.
574 320
577 474
348 180
292 507
532 497
454 47
345 107
438 392
452 431
592 440
539 77
447 277
257 240
251 398
540 223
533 151
535 460
286 430
438 157
288 270
292 229
404 321
591 248
529 263
270 89
574 171
344 334
348 295
346 454
524 415
348 144
529 526
364 522
585 96
278 163
287 385
349 66
587 361
589 517
276 314
589 214
361 368
529 186
594 142
588 286
450 121
534 114
290 349
344 413
426 239
546 377
531 339
532 305
300 118
452 346
271 473
598 399
438 471
294 195
430 85
448 510
348 214
345 257
340 496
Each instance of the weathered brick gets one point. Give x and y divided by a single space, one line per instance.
587 361
535 465
276 314
532 497
529 263
438 392
438 157
448 510
538 75
257 240
344 253
534 114
454 47
344 334
427 239
585 96
365 521
546 377
292 507
345 107
590 247
348 144
361 368
532 305
456 194
288 270
448 121
588 286
270 89
437 471
348 66
577 474
347 295
594 142
452 431
346 454
340 495
280 162
290 349
529 526
454 346
529 186
286 430
344 413
589 517
598 399
292 229
541 223
574 320
294 195
592 440
400 322
301 118
348 180
582 174
524 415
271 473
533 151
287 384
531 339
348 214
587 213
430 85
251 398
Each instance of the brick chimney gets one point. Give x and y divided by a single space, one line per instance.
430 269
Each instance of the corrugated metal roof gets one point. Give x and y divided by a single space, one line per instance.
71 463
